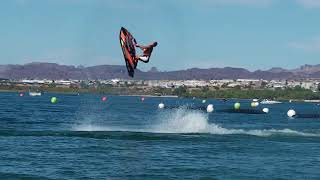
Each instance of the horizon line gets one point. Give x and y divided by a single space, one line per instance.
182 69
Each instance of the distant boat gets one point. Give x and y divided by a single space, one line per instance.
266 101
34 93
312 101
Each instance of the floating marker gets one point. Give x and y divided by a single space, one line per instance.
237 105
254 104
161 106
53 100
210 108
204 101
104 98
291 113
242 111
21 94
142 98
265 110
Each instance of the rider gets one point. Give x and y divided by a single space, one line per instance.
146 51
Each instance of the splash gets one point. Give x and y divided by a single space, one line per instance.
91 127
184 120
90 123
181 120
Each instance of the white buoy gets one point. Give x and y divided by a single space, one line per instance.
265 110
161 106
210 108
204 101
254 104
291 113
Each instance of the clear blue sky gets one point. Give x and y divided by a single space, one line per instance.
254 34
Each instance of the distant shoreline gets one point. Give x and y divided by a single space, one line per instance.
159 96
136 95
294 94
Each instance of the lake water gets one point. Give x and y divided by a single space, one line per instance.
82 137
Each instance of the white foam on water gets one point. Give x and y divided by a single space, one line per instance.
88 123
184 120
94 127
90 127
180 121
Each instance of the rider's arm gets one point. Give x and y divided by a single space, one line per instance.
140 46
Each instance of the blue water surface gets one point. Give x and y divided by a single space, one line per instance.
82 137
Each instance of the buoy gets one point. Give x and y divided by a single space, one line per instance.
161 106
53 100
254 104
142 98
104 98
237 105
291 113
210 108
204 101
21 94
265 110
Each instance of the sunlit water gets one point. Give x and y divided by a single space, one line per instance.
82 137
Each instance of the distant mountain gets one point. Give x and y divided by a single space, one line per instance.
55 71
277 70
153 69
308 69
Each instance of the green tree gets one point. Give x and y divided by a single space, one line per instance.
180 91
52 84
